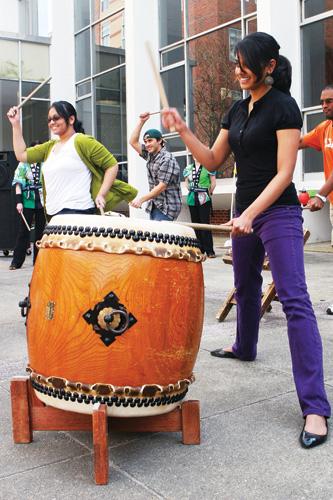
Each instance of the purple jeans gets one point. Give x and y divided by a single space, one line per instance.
278 232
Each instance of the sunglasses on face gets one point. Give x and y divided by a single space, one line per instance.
326 101
54 118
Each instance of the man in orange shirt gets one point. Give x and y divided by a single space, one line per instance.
321 139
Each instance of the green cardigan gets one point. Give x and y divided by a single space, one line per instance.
98 159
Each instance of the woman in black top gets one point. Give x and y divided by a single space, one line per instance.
263 132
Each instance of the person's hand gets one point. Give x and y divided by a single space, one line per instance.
19 208
13 115
144 116
100 201
136 203
241 225
172 120
315 204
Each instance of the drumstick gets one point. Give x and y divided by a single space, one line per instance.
207 227
158 79
155 112
101 209
34 92
25 222
159 82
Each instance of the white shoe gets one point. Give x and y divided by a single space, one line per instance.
329 310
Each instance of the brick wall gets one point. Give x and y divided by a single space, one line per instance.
220 216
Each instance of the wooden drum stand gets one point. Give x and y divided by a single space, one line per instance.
30 414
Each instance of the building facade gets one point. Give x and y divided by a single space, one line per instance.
96 54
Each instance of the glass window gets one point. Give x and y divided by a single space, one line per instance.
110 91
9 59
317 56
83 109
25 17
175 144
212 82
33 18
314 7
9 19
35 61
81 14
174 83
43 93
249 6
108 37
312 159
8 98
34 121
44 28
202 17
102 8
235 35
82 55
181 160
123 172
251 25
83 89
172 56
171 19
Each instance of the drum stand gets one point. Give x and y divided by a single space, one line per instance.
30 414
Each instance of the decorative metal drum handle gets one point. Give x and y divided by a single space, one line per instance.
24 305
108 318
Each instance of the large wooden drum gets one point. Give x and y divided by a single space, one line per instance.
115 316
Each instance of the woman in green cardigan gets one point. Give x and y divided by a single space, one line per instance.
78 172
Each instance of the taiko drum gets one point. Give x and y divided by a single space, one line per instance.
115 314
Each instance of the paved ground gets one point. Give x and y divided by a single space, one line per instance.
250 418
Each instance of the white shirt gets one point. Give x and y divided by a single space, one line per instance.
67 179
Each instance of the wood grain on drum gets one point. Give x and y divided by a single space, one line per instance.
164 295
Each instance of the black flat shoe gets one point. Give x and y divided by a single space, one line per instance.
211 255
220 353
309 440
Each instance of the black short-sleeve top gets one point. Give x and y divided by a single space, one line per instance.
253 140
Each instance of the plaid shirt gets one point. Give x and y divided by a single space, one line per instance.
163 167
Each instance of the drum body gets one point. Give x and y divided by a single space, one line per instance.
115 315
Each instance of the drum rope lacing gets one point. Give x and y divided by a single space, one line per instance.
109 401
128 234
120 241
150 394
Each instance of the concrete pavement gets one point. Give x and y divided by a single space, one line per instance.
250 417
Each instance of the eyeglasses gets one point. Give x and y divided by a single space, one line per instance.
54 118
326 101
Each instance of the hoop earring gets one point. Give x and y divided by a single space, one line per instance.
269 80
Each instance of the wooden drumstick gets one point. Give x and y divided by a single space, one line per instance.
207 227
159 82
101 209
25 222
155 112
34 92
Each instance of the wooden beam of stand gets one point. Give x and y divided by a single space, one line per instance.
34 92
21 421
207 227
100 438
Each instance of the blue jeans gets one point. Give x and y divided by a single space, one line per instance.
156 214
278 232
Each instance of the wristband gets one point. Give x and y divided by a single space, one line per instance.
18 198
321 197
